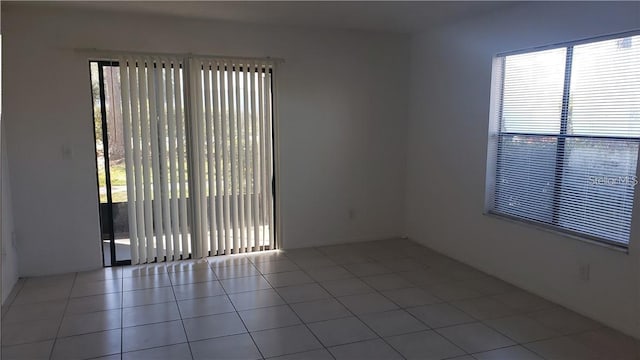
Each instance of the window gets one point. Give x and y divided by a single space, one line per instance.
564 135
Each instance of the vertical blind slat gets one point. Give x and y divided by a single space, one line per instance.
172 178
182 162
269 149
213 244
146 171
219 186
137 158
264 170
227 168
240 154
128 158
155 163
256 159
202 139
233 120
261 176
161 81
241 159
247 153
196 118
192 154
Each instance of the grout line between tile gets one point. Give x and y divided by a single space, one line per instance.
55 340
349 310
238 315
184 329
307 326
121 317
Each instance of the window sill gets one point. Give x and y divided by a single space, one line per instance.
543 227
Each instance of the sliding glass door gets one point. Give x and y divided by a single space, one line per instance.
112 182
185 157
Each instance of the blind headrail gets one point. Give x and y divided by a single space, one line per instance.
103 54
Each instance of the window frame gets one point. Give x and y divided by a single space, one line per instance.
494 135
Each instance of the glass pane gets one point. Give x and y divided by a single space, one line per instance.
113 105
532 92
596 195
117 172
605 88
525 176
97 125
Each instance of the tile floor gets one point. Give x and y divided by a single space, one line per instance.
353 301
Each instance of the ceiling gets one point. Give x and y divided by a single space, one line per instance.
385 16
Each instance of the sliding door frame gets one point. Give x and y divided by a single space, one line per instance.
276 242
107 170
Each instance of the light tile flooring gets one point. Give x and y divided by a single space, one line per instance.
390 299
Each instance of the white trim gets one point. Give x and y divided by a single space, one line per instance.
105 54
557 231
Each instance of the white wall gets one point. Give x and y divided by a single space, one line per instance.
449 111
343 109
8 252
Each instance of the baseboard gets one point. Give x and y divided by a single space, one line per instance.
635 333
343 242
9 296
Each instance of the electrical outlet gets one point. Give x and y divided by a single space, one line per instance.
585 272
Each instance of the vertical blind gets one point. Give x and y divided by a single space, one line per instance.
567 129
198 156
232 154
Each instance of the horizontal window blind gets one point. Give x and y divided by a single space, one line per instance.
566 135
